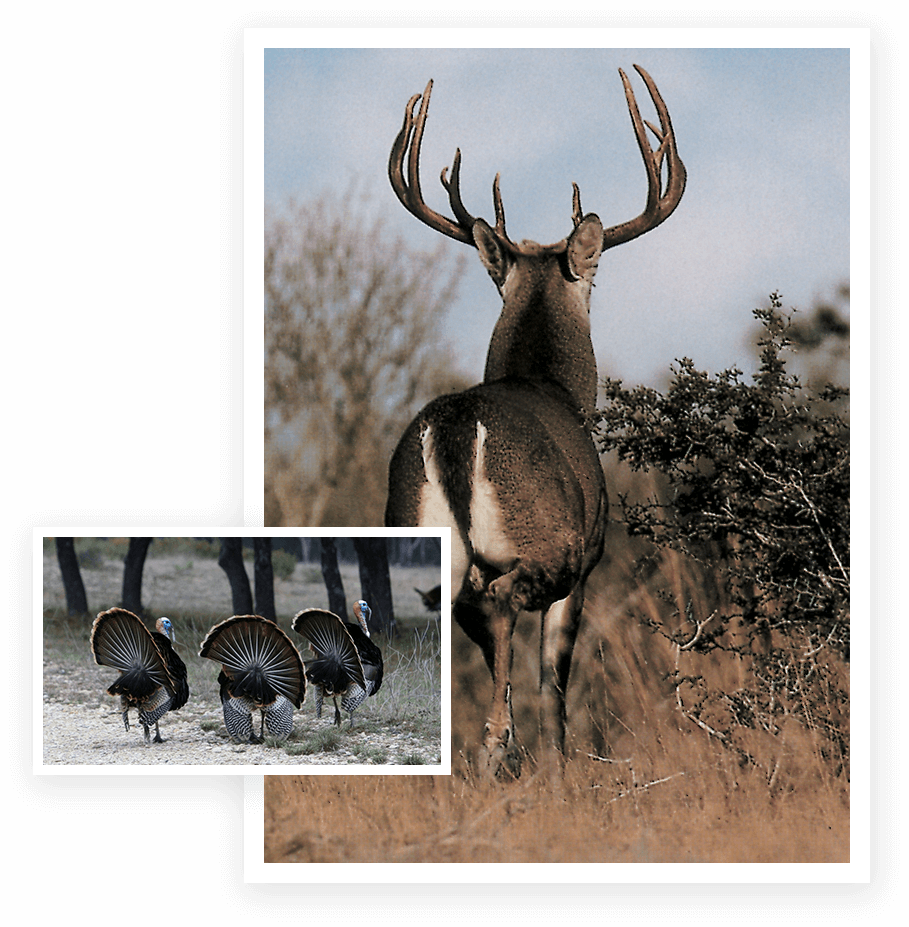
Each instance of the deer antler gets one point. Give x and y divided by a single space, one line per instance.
408 189
660 204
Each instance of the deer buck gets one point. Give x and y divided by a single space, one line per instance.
510 465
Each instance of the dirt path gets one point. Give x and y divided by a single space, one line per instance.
76 735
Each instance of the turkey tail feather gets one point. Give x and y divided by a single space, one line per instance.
259 659
332 643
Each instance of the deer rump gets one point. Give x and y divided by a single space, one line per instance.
511 468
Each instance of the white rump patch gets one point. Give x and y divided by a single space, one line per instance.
487 528
435 512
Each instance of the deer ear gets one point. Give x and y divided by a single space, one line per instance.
491 252
585 244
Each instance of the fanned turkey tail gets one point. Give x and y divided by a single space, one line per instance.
261 670
152 676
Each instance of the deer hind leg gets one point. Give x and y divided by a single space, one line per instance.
488 619
500 755
491 628
557 639
488 612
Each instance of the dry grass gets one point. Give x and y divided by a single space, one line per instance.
707 811
643 782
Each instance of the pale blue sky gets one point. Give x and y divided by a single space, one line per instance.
764 134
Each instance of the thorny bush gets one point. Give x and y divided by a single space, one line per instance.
750 490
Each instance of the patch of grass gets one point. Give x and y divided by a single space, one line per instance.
369 754
325 740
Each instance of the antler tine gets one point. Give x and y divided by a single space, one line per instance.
660 203
453 186
408 190
576 212
500 213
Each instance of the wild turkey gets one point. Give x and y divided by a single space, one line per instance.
432 600
348 665
261 670
152 675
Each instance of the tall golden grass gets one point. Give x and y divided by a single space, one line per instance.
703 813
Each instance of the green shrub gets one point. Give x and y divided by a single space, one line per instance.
750 493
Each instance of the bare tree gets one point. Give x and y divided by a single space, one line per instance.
375 581
230 559
337 601
76 600
133 565
264 578
351 315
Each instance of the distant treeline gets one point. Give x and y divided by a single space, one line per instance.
402 551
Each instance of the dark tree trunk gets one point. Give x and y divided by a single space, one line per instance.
231 561
337 602
133 566
76 600
375 581
264 578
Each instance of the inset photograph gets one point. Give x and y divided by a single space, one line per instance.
327 653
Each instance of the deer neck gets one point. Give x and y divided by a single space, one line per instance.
543 334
